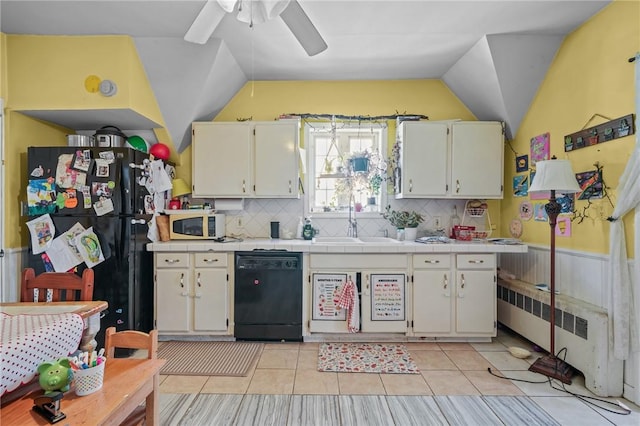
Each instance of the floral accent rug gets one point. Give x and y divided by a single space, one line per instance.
365 358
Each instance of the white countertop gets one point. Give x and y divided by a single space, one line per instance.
342 247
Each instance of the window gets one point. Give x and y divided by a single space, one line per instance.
336 181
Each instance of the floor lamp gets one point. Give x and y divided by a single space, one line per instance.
551 176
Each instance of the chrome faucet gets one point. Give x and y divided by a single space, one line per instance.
352 230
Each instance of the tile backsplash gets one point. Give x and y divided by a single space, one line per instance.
254 220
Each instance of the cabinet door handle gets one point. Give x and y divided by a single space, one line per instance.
410 185
476 261
289 186
210 260
198 280
461 280
457 186
244 186
445 285
182 280
431 261
172 261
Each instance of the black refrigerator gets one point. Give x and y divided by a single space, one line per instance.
125 278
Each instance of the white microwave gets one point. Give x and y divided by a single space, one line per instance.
196 226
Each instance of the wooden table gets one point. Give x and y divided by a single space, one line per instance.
89 311
128 382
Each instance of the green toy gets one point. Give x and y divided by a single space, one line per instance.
55 375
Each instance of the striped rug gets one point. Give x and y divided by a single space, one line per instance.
208 358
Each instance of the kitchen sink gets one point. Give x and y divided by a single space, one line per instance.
338 240
377 240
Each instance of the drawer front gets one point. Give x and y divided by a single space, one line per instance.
218 260
431 261
172 260
476 261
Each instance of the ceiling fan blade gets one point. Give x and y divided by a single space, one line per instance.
303 29
205 23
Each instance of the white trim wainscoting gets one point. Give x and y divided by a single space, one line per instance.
581 280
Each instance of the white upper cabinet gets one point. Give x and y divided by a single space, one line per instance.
248 159
460 159
423 160
276 159
221 159
477 159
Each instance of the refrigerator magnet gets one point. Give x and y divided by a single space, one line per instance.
37 172
102 168
103 206
82 160
86 196
42 231
89 247
70 198
101 189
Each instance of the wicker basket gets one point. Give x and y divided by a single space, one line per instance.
476 211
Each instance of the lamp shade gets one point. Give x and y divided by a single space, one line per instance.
179 188
554 175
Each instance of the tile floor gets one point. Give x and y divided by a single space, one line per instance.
454 387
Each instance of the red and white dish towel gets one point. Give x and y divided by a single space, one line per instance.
348 299
29 340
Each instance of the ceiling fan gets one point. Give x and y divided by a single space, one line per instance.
256 11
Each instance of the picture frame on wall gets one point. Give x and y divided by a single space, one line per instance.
540 148
522 163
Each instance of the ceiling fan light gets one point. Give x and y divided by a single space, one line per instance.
257 12
228 5
274 8
205 23
251 12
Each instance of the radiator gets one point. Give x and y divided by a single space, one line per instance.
580 327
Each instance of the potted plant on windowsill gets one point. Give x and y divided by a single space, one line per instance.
405 220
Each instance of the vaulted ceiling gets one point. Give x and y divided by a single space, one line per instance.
492 54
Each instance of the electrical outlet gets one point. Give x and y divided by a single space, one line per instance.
437 222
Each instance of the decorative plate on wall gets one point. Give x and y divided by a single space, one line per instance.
515 228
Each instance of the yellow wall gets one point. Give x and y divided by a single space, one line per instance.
266 100
48 72
590 75
21 132
3 66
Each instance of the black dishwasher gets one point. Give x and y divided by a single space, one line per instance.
268 295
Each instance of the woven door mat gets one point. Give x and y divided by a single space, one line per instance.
209 358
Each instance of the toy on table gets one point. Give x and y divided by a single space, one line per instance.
55 375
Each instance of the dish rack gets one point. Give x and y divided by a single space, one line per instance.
475 224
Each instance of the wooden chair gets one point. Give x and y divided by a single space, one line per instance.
130 339
64 286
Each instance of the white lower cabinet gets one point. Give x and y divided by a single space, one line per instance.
192 294
382 280
432 294
454 295
476 278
